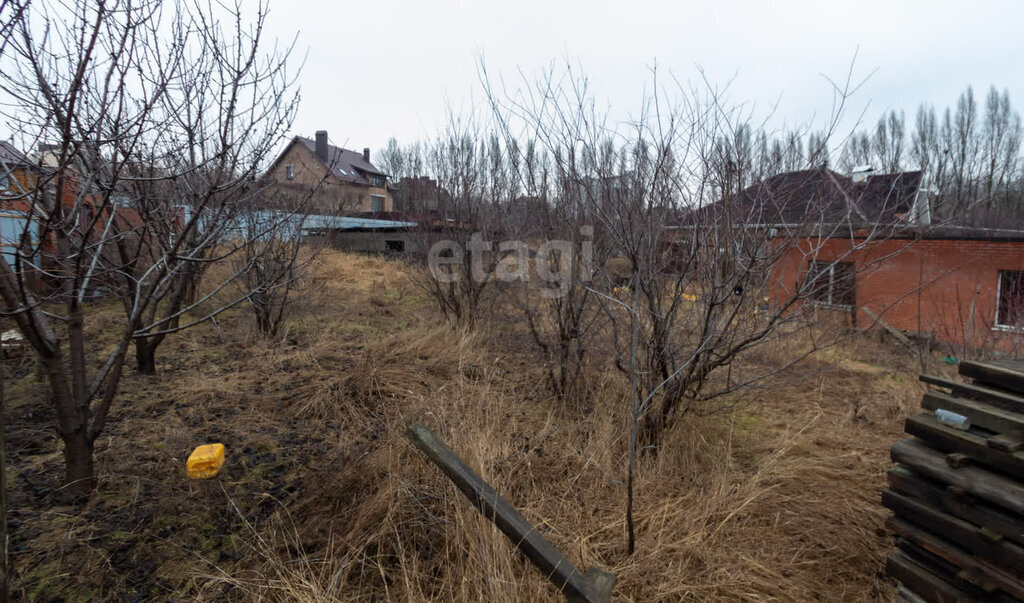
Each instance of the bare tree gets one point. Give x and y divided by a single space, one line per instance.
274 258
1001 148
669 196
456 263
857 152
925 151
392 159
888 141
159 116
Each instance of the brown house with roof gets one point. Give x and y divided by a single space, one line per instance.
18 174
867 247
333 180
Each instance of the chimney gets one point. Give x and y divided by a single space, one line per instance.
321 145
366 154
861 173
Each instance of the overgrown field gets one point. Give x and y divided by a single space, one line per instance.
323 499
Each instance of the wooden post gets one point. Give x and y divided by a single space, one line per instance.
594 586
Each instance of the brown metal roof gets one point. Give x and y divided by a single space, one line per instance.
343 163
821 195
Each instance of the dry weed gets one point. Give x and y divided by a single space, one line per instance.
323 499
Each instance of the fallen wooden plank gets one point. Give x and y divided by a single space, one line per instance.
921 581
994 375
979 569
984 484
900 337
593 586
957 531
951 440
973 391
981 414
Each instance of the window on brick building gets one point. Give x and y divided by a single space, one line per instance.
289 171
1010 308
832 283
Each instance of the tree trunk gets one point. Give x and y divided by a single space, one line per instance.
3 490
79 474
145 356
79 477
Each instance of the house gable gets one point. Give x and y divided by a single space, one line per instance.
341 185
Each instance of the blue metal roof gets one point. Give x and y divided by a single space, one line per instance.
345 223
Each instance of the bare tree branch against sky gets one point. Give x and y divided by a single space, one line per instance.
381 69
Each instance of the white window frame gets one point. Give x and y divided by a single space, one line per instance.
997 325
289 171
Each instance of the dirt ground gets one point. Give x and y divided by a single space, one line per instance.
322 498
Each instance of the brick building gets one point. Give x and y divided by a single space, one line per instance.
28 237
960 287
881 256
334 180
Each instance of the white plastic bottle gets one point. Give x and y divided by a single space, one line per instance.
954 420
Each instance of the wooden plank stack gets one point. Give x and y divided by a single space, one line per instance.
958 495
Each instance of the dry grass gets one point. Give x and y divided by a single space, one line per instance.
323 499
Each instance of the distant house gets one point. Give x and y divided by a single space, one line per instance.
18 173
28 241
868 248
421 194
18 178
334 180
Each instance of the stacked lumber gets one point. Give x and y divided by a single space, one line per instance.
958 494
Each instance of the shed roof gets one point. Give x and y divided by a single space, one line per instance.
820 195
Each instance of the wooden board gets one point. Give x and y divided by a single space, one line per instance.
953 574
984 484
957 531
973 391
951 440
905 595
922 582
1005 443
977 512
981 414
985 572
594 586
1008 376
900 337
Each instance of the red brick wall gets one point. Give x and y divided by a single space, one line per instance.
944 288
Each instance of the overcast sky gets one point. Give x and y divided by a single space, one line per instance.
385 68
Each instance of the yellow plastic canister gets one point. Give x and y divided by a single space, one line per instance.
205 461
